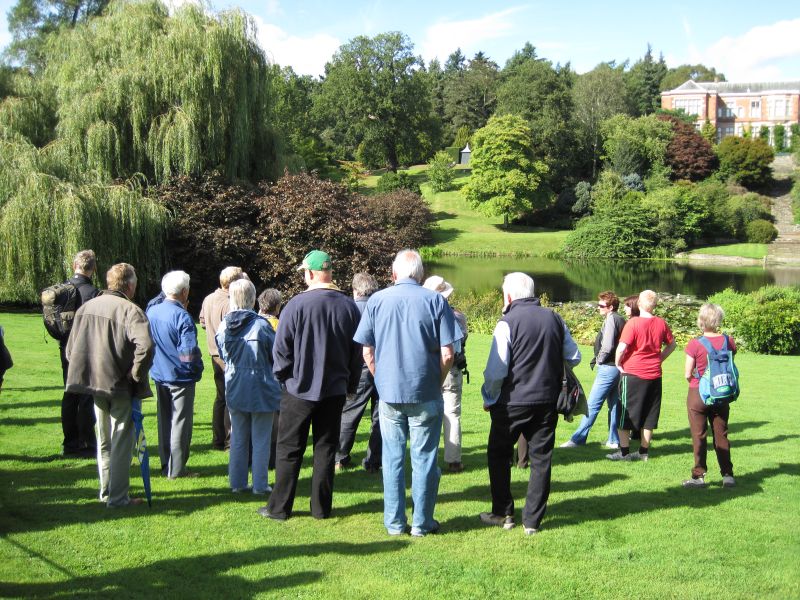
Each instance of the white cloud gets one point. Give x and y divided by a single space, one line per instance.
753 56
444 37
274 8
306 55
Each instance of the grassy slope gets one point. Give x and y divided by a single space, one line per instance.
757 251
463 230
612 530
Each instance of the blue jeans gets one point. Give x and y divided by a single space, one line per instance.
422 424
247 426
605 386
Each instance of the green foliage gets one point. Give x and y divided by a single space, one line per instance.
763 134
463 136
633 182
453 153
618 229
46 221
26 109
609 189
534 89
779 133
760 231
681 215
636 145
354 173
794 138
390 181
683 73
506 177
375 102
795 196
203 103
746 208
583 198
746 161
765 321
469 91
644 84
440 172
709 132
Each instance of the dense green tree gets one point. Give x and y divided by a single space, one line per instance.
506 175
747 161
636 145
30 22
683 73
644 83
470 92
295 119
779 133
598 95
709 132
440 172
542 94
375 100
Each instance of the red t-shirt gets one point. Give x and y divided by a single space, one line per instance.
699 354
644 337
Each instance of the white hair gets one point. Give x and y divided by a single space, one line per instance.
408 263
174 282
518 285
243 295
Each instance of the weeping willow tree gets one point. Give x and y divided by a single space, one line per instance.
48 220
141 91
134 96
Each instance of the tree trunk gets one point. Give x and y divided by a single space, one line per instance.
505 220
391 156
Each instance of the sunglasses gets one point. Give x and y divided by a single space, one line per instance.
601 305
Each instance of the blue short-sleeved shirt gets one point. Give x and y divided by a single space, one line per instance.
407 325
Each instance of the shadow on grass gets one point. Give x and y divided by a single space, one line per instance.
11 421
210 573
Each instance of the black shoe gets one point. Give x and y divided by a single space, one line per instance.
264 512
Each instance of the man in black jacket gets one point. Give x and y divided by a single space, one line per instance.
318 362
77 410
522 381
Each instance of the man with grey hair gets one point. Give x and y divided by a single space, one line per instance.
364 285
177 367
408 332
77 410
110 351
522 381
215 306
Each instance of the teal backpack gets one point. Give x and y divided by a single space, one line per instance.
720 380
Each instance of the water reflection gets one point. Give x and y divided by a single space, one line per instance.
564 281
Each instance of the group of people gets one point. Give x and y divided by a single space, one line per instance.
317 363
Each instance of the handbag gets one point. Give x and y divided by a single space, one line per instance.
571 394
5 356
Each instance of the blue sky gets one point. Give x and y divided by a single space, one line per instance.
748 41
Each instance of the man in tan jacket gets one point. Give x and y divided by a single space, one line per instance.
110 352
215 306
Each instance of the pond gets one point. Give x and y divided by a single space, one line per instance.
564 281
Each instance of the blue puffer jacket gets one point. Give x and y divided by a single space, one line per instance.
245 343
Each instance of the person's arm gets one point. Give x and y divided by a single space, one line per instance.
138 330
572 354
607 339
668 349
688 369
188 350
369 358
283 348
447 354
620 355
496 369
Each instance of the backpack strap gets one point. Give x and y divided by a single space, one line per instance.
705 343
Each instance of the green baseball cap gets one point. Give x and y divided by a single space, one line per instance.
316 260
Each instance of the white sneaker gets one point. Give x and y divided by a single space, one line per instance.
694 482
637 456
618 456
568 444
728 481
611 446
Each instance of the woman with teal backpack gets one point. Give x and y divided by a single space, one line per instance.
700 412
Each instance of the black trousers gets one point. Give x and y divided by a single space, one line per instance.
297 417
77 416
351 416
537 423
220 418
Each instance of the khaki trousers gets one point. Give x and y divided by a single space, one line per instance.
115 439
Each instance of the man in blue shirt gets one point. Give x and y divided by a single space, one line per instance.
407 333
177 367
522 381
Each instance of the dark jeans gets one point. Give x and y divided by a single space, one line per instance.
297 416
221 418
77 416
351 416
699 417
537 423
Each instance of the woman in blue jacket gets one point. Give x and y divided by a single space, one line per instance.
252 393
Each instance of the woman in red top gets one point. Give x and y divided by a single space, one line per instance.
709 320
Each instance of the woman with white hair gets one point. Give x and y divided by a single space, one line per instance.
700 414
252 393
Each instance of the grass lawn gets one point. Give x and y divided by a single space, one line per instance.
757 251
460 229
612 530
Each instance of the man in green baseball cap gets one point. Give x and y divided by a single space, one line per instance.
316 260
